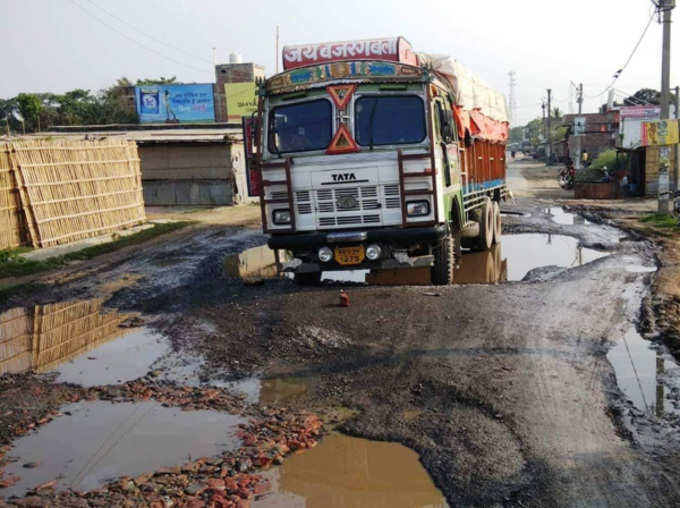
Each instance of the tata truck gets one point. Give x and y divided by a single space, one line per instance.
367 155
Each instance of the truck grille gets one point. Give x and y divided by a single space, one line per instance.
362 204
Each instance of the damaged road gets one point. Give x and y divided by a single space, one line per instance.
504 390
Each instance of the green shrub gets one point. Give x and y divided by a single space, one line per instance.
606 158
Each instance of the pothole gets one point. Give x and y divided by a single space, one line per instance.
559 216
641 370
518 254
511 260
346 471
79 340
94 442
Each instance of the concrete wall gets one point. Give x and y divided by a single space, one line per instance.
186 174
232 73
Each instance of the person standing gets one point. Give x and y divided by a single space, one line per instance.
585 158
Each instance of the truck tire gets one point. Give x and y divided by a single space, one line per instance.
444 261
308 278
497 226
485 239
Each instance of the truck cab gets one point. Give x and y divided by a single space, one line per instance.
360 164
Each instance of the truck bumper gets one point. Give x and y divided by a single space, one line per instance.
398 236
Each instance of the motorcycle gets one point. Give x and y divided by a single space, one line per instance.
566 177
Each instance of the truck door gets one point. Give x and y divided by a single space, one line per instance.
447 137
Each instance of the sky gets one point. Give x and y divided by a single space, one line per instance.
59 45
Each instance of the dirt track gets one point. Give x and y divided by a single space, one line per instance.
504 390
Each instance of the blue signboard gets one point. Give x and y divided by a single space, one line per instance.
175 103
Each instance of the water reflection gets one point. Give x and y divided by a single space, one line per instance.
639 373
346 471
96 441
559 216
256 263
43 336
486 267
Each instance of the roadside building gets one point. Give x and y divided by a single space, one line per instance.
600 134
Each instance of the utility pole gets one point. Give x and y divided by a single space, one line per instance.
513 105
579 100
276 57
548 152
676 167
665 7
543 119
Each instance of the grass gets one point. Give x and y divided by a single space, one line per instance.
12 264
662 221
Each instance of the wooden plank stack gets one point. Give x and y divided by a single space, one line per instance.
71 189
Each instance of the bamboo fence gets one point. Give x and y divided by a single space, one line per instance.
71 189
47 335
13 231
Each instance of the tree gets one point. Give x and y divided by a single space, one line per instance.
557 113
516 134
160 81
30 106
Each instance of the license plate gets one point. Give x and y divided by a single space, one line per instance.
349 255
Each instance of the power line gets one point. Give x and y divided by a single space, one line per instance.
617 74
132 39
147 34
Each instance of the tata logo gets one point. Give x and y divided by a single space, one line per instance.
343 177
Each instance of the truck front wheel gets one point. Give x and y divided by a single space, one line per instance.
444 261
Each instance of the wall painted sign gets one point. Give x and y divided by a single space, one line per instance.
396 49
660 132
175 103
241 98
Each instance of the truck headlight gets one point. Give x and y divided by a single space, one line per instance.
281 217
418 208
373 252
325 254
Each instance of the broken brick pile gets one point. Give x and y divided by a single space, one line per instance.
222 481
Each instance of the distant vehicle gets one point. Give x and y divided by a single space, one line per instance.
372 157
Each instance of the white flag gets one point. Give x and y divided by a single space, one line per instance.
17 115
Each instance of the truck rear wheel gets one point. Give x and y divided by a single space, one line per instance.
444 261
485 239
308 278
497 226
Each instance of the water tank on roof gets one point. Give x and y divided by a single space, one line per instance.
235 58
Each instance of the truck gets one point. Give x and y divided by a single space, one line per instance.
369 156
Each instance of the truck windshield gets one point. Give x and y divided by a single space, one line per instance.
300 127
389 120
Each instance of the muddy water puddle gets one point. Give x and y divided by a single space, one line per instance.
93 442
641 369
80 341
518 254
347 472
510 260
560 216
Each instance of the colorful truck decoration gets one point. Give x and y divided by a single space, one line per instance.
368 156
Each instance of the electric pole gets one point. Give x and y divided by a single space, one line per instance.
513 105
579 100
676 167
665 7
548 152
543 119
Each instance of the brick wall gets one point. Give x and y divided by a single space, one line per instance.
232 73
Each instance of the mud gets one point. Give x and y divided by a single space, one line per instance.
504 390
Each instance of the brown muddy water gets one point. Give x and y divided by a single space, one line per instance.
344 472
93 442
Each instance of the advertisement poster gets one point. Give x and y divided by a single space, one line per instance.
660 132
241 99
175 103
